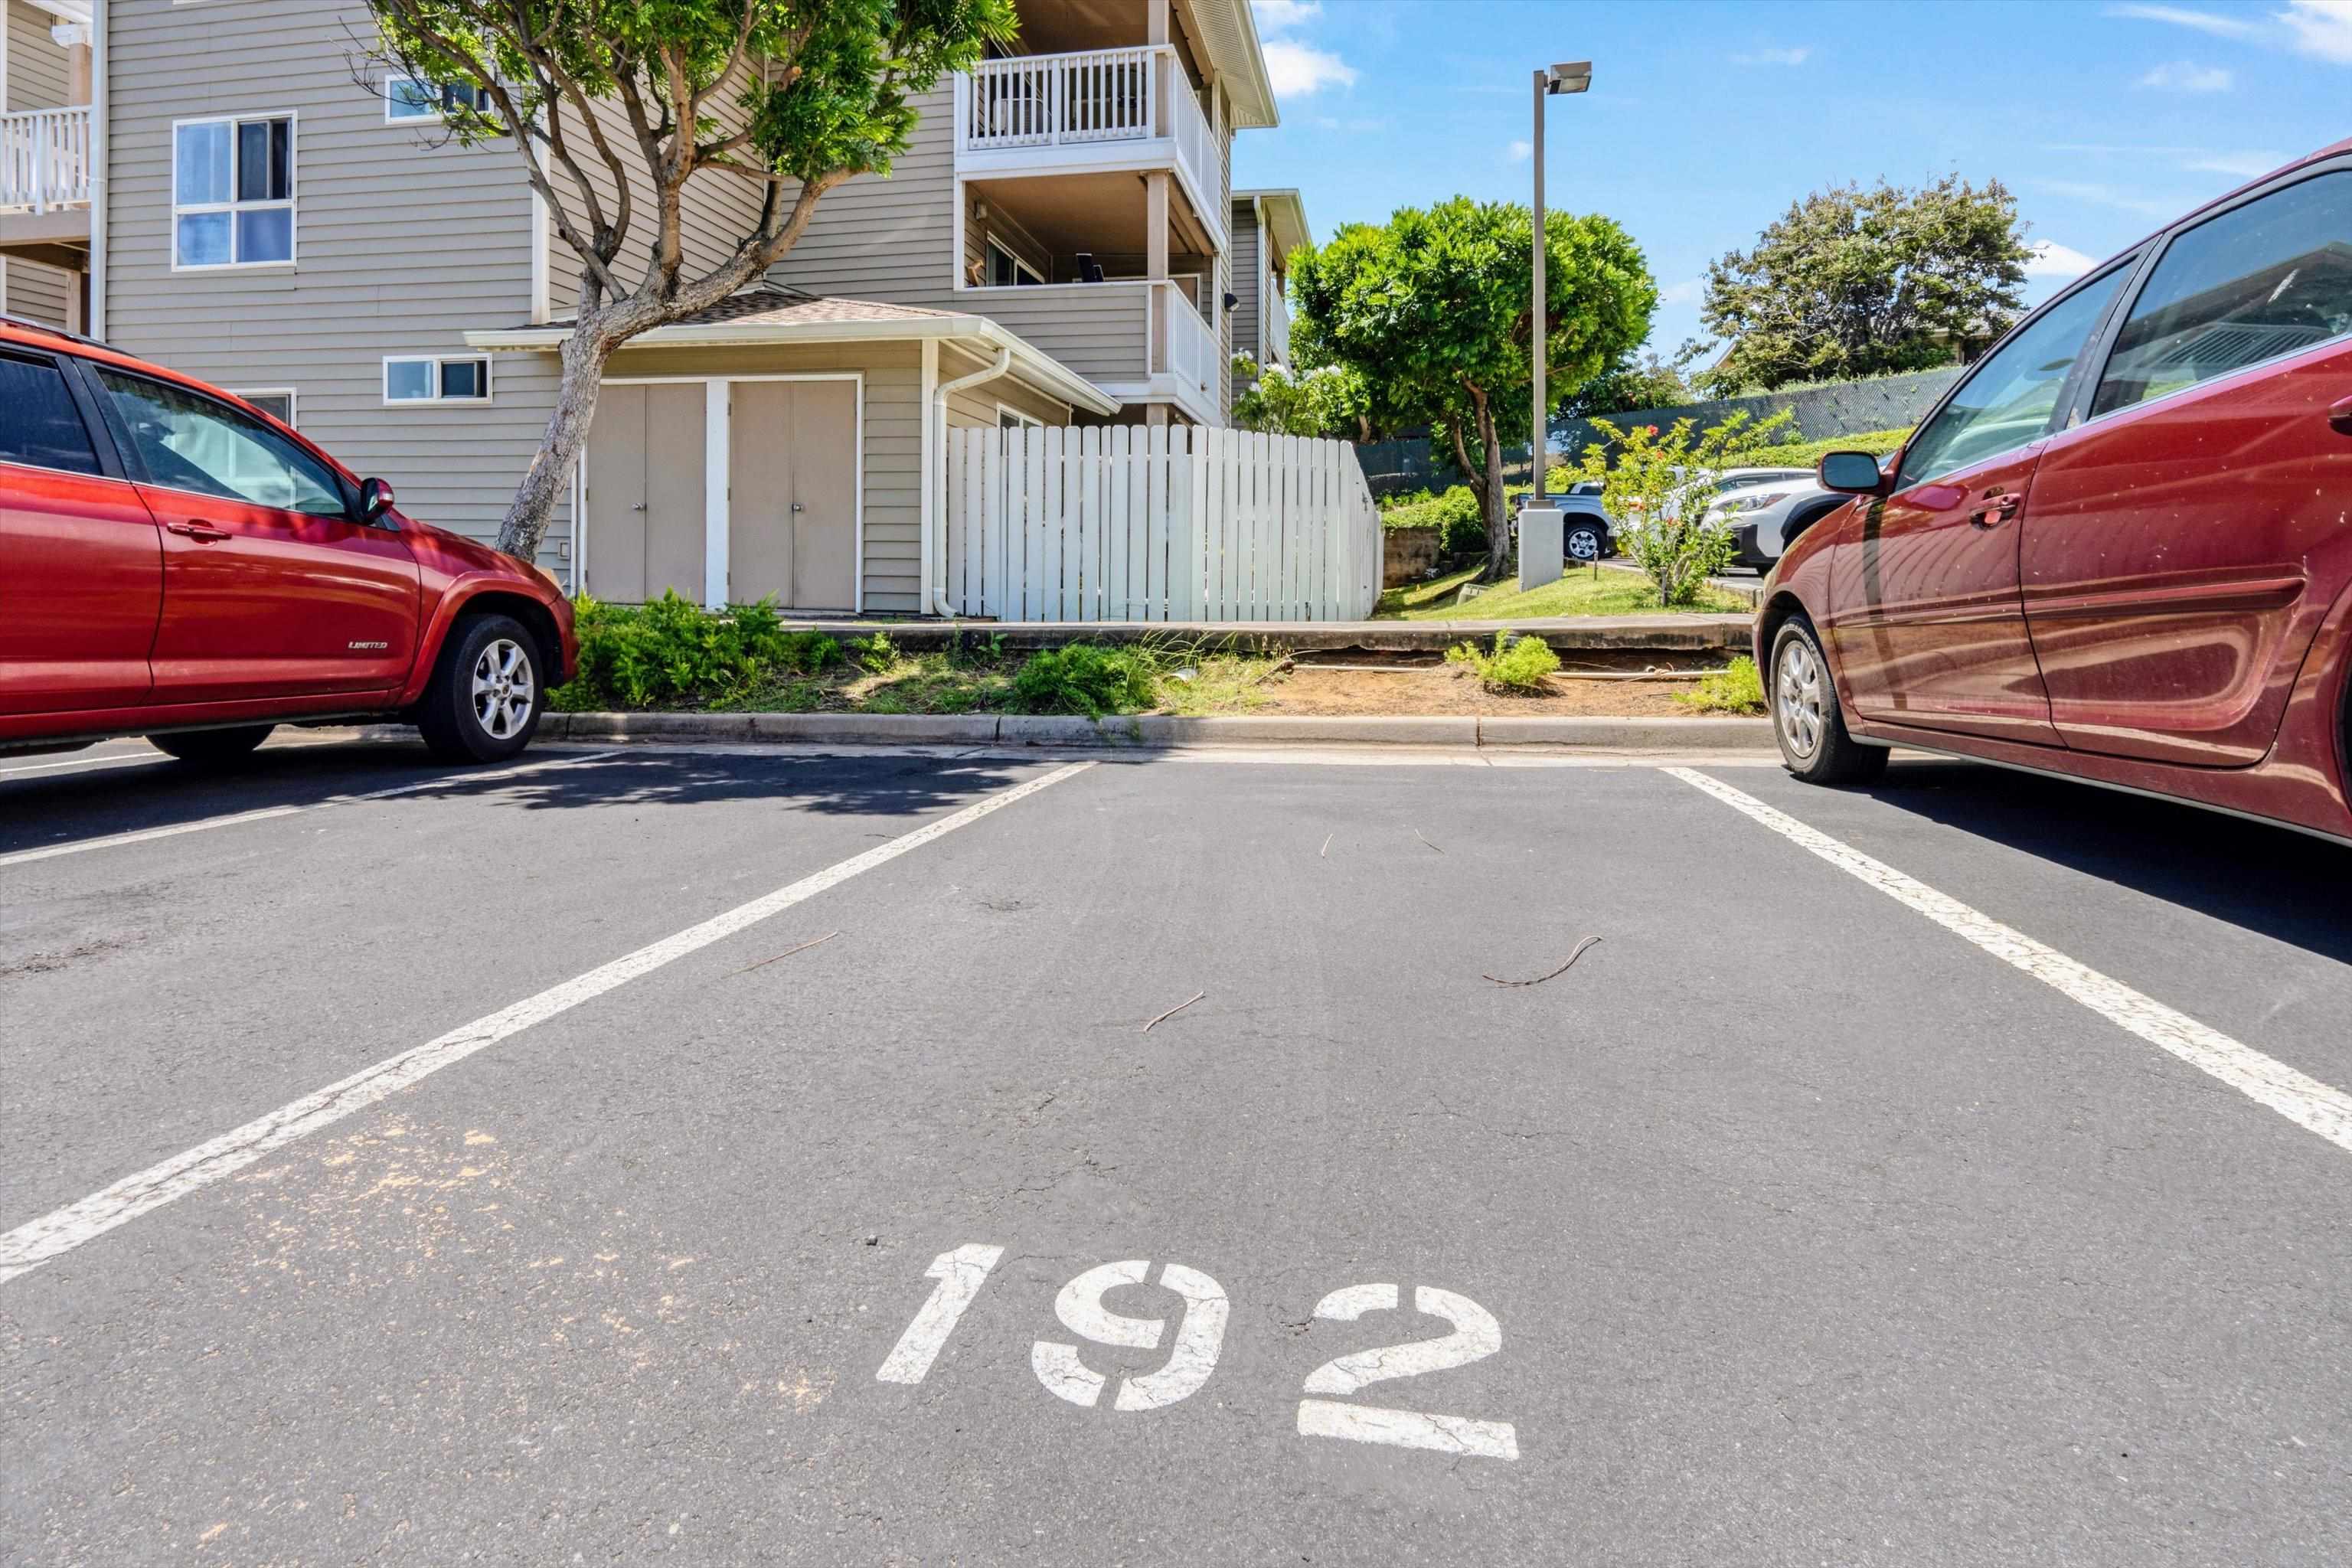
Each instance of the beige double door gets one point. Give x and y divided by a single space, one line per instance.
785 524
792 514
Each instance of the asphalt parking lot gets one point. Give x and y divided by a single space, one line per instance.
761 1157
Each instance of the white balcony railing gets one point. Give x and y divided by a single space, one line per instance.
44 159
1083 107
1188 343
1277 322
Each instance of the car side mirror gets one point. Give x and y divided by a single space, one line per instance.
375 499
1851 473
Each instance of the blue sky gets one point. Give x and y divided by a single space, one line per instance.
1707 117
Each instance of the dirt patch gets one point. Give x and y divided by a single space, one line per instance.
1448 689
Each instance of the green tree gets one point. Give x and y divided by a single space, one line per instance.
1432 309
634 112
1849 283
1328 401
1648 382
1661 490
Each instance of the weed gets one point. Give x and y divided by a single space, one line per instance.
1738 688
1519 666
1086 677
874 654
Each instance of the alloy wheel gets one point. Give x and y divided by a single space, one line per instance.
504 691
1799 697
1584 544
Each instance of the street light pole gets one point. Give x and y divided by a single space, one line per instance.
1540 522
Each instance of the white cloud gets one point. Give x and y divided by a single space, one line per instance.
2181 17
1281 16
1683 293
2051 259
1776 56
1297 69
2183 76
2111 196
1520 152
2321 27
2245 165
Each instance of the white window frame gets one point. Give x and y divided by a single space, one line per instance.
1019 266
1020 419
489 383
293 191
250 392
435 117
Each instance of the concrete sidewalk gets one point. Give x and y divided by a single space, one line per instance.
1566 633
1158 730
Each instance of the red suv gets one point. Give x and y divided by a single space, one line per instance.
175 564
2121 548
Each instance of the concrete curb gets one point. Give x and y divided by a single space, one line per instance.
1160 730
1657 633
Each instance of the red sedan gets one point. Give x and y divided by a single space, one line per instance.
179 564
2121 547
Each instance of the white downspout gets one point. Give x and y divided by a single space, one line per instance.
100 155
940 444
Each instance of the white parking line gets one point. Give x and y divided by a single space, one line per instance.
37 1241
114 760
2304 1100
143 835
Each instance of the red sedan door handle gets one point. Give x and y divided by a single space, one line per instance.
2001 506
202 533
2341 416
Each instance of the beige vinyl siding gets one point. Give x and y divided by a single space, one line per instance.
1007 233
400 248
30 290
719 209
893 418
39 71
1098 329
1248 337
889 238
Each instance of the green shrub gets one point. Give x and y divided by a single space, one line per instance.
875 654
673 652
1738 688
1807 454
1084 678
1454 514
1518 666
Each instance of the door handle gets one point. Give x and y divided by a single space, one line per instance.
202 533
2341 416
1998 508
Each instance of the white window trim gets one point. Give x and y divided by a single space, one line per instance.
1019 266
249 392
1005 408
489 381
293 192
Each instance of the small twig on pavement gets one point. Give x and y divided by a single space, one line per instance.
1326 851
1176 1009
786 953
1424 838
1563 969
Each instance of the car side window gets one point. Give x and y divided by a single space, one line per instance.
191 442
2268 279
2008 399
40 423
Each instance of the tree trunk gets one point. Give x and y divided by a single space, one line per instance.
583 355
1499 527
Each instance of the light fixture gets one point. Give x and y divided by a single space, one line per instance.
1571 76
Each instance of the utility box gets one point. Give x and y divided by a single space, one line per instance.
1539 546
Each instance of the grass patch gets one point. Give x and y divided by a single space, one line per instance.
1739 688
1587 592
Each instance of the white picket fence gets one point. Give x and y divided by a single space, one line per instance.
1157 523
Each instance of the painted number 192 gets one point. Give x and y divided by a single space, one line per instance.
1331 1409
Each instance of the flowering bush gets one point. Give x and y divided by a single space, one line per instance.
1660 492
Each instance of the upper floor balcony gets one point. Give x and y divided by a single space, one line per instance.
44 169
1092 112
1278 324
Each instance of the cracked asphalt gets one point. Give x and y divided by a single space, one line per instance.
1807 1232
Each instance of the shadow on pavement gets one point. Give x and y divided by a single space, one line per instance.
2273 881
46 810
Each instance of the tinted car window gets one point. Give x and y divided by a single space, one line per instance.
191 442
2268 279
39 422
2008 399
